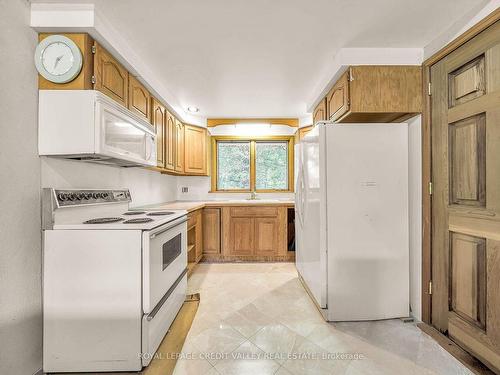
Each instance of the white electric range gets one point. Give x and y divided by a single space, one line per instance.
113 279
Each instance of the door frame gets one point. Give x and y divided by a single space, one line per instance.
427 156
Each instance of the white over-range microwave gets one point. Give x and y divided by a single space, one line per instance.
87 125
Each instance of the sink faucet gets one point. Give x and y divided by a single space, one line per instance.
253 195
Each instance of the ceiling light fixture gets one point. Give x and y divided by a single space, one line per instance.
193 109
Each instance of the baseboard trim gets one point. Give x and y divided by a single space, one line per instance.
472 363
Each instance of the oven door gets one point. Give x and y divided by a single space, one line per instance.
164 259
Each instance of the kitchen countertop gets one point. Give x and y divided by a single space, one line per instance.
190 206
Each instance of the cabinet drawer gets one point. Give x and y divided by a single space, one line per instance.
254 211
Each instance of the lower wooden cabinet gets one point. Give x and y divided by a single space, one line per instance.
266 235
195 238
211 230
254 231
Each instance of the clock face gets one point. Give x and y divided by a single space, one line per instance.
57 58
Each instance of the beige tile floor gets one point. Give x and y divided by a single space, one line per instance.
257 319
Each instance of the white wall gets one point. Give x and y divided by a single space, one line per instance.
482 9
146 186
199 186
20 238
415 212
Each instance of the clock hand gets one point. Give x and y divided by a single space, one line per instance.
57 60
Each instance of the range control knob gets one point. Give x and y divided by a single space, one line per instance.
86 196
104 195
72 196
79 196
95 195
62 196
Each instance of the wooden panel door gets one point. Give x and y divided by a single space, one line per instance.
266 236
465 118
111 77
179 146
170 141
139 98
195 140
319 113
211 230
158 119
241 236
337 100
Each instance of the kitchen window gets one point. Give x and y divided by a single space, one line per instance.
263 164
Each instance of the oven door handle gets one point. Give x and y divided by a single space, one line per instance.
173 224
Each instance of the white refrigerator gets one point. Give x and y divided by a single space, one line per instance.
352 241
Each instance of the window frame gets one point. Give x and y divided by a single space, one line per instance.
253 140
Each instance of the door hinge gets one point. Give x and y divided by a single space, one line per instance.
430 287
430 188
93 79
429 89
93 49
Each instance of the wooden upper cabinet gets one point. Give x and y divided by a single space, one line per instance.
170 142
158 119
337 100
195 139
179 146
301 133
319 113
139 98
373 93
384 93
211 230
111 77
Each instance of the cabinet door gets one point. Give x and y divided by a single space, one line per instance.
139 98
158 119
337 100
179 148
386 89
170 133
196 150
199 236
111 77
303 131
266 236
319 113
241 236
211 230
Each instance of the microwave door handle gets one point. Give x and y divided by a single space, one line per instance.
174 224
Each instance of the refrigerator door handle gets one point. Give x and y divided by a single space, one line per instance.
300 197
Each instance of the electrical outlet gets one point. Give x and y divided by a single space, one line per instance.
184 189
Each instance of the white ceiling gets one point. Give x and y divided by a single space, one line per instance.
265 58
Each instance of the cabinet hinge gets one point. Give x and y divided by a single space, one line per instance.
429 89
430 287
93 49
93 79
430 188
